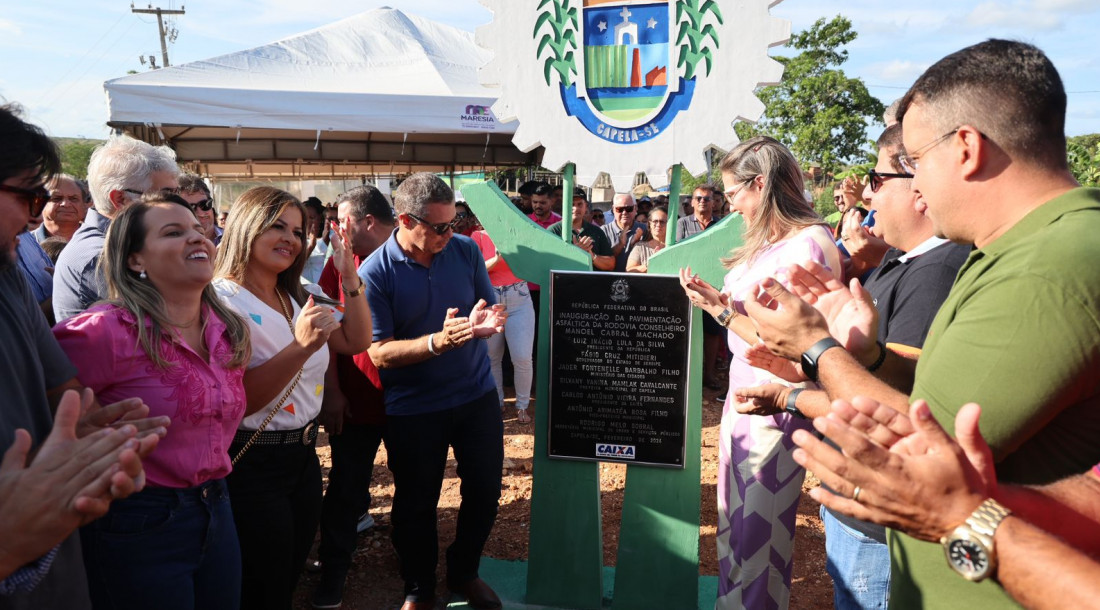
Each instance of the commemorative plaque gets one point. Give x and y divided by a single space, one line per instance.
618 374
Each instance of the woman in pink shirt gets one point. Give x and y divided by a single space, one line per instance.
164 336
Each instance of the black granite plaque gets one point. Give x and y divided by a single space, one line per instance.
618 367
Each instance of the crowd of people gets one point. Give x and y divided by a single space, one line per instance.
170 362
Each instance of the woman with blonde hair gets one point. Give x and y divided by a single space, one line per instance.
164 336
276 482
757 476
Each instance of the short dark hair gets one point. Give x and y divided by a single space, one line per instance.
366 200
25 147
543 189
313 203
528 188
1008 90
192 183
891 139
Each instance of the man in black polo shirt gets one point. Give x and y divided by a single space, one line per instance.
908 288
588 236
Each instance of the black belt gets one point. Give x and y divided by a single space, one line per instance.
303 436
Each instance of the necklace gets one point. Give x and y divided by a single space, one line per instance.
286 312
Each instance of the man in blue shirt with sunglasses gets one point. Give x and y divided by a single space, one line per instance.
431 301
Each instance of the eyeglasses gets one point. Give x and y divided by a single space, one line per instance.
205 205
910 161
462 215
875 179
626 209
658 222
733 191
701 198
34 198
441 228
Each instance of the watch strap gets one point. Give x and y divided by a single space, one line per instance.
987 517
792 403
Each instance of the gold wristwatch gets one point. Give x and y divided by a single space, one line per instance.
969 549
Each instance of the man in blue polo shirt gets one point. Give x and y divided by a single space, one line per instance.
439 390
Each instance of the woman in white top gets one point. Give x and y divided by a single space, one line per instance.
275 487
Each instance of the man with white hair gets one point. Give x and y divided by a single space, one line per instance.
624 233
119 173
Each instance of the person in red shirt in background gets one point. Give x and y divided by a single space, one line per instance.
353 411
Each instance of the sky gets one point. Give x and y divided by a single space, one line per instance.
55 55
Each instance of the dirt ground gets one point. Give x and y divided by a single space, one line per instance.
374 583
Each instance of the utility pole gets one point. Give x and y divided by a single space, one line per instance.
159 12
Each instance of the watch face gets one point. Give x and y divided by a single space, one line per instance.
969 558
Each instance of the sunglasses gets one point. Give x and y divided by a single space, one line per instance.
205 205
441 228
34 198
699 198
875 179
626 209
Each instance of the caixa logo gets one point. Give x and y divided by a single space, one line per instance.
620 452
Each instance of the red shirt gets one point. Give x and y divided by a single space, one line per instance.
357 375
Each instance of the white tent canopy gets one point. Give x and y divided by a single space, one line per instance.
379 93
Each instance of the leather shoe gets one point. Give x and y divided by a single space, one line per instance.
479 595
409 605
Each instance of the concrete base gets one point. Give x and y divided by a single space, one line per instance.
509 580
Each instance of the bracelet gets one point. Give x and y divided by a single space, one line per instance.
431 348
881 358
358 291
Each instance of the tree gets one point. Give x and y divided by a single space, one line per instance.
75 155
816 110
1083 153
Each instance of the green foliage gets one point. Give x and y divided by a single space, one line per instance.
560 25
816 110
75 154
693 34
1083 153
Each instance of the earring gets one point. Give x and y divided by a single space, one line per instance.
142 275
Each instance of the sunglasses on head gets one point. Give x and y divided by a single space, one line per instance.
34 198
441 228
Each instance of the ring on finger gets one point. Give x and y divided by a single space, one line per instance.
856 492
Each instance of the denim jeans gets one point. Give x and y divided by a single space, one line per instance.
859 566
417 448
174 549
519 332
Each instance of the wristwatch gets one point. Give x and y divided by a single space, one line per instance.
358 291
725 317
811 356
792 403
969 549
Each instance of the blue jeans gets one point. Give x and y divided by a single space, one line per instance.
171 549
859 566
519 332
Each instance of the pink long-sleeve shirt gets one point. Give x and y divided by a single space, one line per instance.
205 399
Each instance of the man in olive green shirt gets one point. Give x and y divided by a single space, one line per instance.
1020 331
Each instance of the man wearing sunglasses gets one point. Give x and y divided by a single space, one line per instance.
194 191
431 300
119 173
984 135
704 200
624 233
